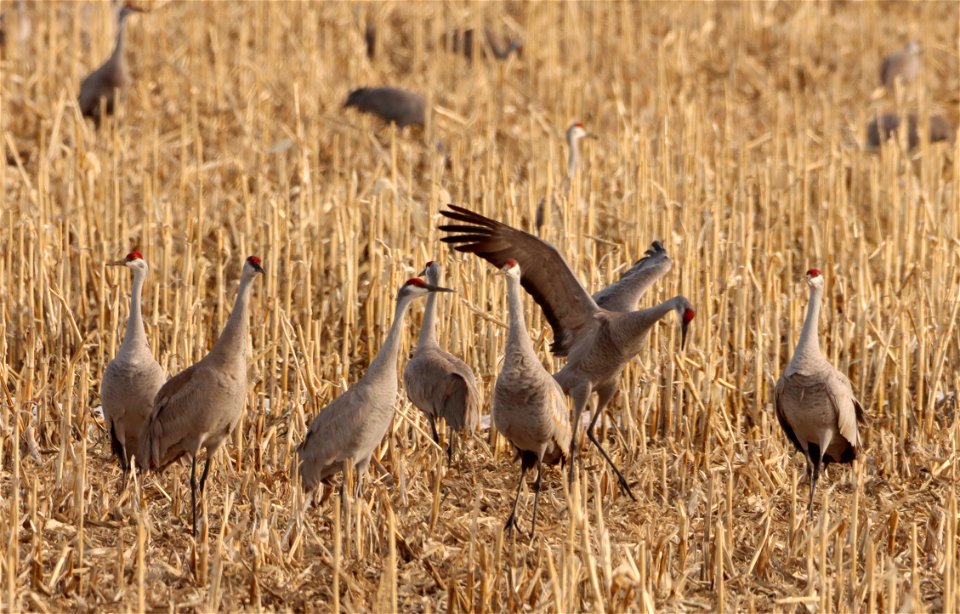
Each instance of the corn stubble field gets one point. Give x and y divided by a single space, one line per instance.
730 132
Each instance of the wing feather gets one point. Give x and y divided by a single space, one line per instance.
782 417
623 294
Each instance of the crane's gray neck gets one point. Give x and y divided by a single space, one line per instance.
428 330
573 158
135 336
386 359
518 328
636 324
809 343
118 45
232 344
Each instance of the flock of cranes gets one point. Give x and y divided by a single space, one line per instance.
153 422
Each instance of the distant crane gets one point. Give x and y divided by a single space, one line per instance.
528 404
575 133
391 104
200 406
881 128
132 378
349 429
105 81
598 341
815 402
903 65
437 382
500 46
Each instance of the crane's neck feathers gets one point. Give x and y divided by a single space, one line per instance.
428 330
232 344
517 335
135 337
809 344
385 362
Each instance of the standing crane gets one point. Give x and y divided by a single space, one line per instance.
391 104
528 404
500 46
815 402
903 65
437 382
597 340
200 406
349 429
105 81
132 378
882 127
575 133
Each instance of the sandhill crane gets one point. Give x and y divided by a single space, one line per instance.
350 428
200 406
903 65
528 404
113 74
392 104
131 380
815 402
881 128
598 341
437 382
500 46
575 133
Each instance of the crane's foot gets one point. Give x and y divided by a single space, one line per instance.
511 524
625 487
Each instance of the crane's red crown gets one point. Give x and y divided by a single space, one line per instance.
130 5
429 264
689 314
416 281
254 260
580 125
814 272
134 256
511 262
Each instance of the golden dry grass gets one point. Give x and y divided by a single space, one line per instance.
727 130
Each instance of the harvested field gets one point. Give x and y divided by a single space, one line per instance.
731 132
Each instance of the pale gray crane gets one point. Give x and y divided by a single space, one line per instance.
200 406
132 379
349 429
105 81
903 65
528 404
391 104
575 133
437 382
500 46
597 340
815 402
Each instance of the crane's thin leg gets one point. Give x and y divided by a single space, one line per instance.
512 518
206 469
814 474
580 397
601 403
536 495
433 429
450 444
193 493
121 454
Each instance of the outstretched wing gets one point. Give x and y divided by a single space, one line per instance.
623 294
545 274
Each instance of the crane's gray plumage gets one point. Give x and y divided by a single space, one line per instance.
814 402
903 64
500 46
882 128
528 404
623 294
350 428
132 378
391 104
599 342
200 406
437 382
113 74
575 133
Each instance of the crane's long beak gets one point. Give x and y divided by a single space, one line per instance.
438 289
684 325
116 263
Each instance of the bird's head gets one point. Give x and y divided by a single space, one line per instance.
687 313
431 270
354 97
252 266
578 131
814 278
511 268
133 261
130 7
913 48
415 286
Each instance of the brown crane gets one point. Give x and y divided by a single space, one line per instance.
903 65
437 382
881 128
349 429
104 82
528 404
200 406
132 379
598 341
391 104
815 402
